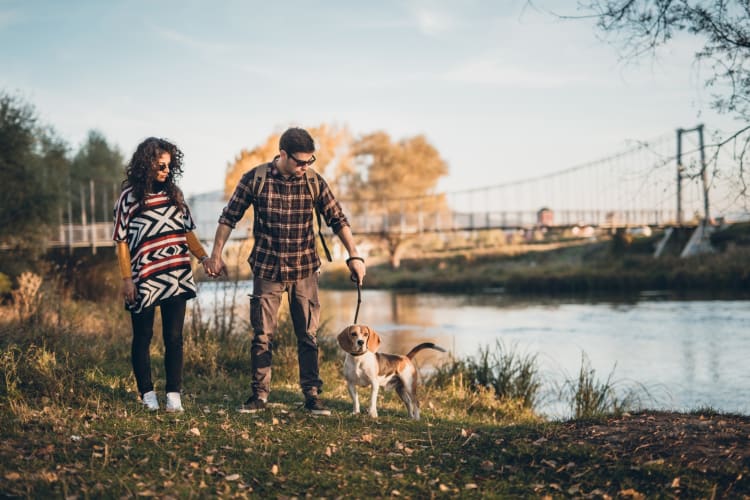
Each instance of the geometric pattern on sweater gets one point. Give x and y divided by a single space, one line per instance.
159 253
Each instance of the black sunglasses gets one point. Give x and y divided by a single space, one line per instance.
301 163
162 167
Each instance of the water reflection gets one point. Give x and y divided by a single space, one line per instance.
689 354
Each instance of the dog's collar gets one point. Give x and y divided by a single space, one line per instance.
358 354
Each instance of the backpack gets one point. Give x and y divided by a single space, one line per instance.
311 179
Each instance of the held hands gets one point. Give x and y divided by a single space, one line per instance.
214 267
358 269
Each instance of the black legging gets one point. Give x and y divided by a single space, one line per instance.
172 320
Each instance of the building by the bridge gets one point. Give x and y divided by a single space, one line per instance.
545 217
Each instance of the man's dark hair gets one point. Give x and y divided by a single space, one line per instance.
297 140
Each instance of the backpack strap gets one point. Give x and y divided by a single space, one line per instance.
311 179
259 179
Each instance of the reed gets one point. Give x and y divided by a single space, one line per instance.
590 397
509 374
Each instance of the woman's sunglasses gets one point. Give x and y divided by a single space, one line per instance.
161 167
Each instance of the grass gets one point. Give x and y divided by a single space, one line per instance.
71 426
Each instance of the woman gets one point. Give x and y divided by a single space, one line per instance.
154 233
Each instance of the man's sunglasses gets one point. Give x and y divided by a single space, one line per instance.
301 163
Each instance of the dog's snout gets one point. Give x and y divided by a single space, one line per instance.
360 342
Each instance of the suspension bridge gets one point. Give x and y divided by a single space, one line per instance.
654 183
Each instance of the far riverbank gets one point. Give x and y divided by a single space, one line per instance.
604 266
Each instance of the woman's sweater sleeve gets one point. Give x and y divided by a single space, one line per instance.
123 258
195 245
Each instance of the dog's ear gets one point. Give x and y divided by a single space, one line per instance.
344 340
373 340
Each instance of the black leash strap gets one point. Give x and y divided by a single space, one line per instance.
359 288
359 301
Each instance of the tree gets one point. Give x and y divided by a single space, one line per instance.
33 170
102 163
641 26
399 178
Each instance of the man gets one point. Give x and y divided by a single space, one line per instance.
284 259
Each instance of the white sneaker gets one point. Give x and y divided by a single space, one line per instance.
149 401
174 403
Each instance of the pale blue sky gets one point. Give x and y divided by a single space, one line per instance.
504 91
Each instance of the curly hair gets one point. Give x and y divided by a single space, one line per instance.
145 157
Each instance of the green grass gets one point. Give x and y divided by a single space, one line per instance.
71 427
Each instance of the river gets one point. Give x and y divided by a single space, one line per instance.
677 354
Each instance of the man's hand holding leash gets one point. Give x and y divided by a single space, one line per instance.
357 268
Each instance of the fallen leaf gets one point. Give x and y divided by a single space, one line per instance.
471 486
443 487
658 461
630 492
367 438
676 482
275 469
232 477
395 493
194 432
12 476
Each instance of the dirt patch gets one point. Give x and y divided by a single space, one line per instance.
700 442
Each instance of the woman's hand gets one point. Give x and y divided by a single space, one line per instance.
214 267
128 290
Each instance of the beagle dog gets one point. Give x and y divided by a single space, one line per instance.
365 367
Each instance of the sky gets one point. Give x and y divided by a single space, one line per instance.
502 89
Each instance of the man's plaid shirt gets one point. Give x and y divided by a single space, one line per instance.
284 248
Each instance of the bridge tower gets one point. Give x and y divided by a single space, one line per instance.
681 170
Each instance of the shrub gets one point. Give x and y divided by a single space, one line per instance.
510 375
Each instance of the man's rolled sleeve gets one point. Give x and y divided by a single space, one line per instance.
330 209
240 200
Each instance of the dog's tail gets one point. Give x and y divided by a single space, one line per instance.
425 345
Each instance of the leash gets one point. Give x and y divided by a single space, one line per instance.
359 301
359 288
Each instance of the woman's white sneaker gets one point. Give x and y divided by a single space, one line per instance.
149 401
174 403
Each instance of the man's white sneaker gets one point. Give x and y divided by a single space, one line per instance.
149 401
174 403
